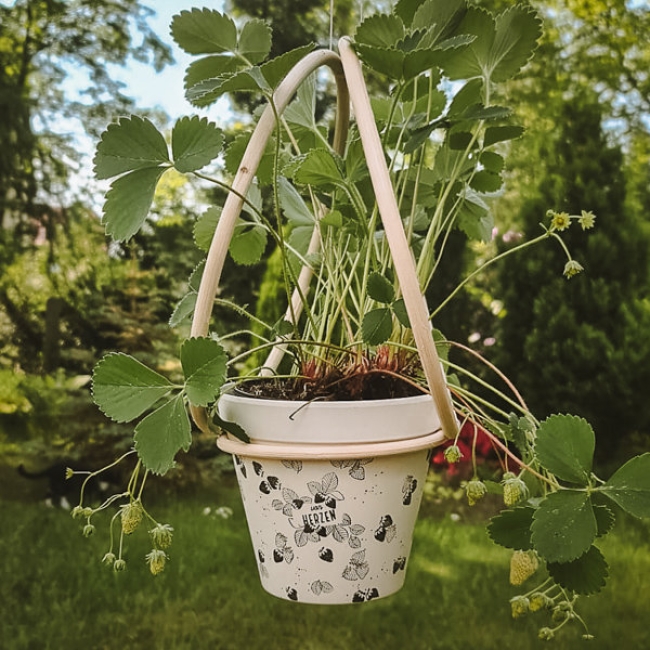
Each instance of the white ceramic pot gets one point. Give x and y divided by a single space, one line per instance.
328 530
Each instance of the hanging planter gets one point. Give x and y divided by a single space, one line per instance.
331 522
331 485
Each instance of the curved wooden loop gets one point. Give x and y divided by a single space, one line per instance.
328 452
350 87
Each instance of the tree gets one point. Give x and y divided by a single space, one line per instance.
599 355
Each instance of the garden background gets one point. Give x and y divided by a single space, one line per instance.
67 296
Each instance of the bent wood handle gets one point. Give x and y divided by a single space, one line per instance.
414 301
242 182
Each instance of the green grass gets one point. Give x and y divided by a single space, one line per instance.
55 594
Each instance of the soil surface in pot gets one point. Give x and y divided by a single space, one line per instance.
382 376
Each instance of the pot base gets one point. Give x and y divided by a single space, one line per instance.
332 532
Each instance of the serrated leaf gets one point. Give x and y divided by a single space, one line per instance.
494 134
124 388
565 445
235 152
129 144
207 92
320 168
518 30
248 243
195 278
128 202
162 434
234 429
492 161
205 226
204 366
399 309
564 526
585 576
204 31
380 30
209 67
604 519
255 41
474 218
292 204
485 181
380 288
195 143
276 69
629 487
511 528
386 61
377 326
330 482
184 308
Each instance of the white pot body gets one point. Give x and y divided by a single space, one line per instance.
331 531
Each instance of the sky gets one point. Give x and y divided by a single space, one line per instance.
164 89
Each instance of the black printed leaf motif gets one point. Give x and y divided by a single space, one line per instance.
346 520
330 482
301 538
354 542
357 529
295 465
340 533
357 568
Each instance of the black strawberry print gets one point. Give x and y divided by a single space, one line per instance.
386 530
326 554
364 595
408 488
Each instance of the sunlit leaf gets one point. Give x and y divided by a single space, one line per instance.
255 41
130 143
195 143
204 31
124 388
128 202
204 366
184 309
248 243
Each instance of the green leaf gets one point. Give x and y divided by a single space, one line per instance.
276 69
248 243
204 367
292 204
204 31
629 487
470 62
160 436
207 92
388 62
128 202
209 67
474 218
564 526
231 427
124 388
399 309
377 326
130 143
184 309
585 576
380 30
205 226
380 288
565 445
195 143
604 519
518 30
494 134
493 162
319 167
485 181
511 528
255 41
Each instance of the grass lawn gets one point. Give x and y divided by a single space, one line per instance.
55 593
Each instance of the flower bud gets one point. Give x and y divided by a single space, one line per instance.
156 560
453 454
514 489
540 601
109 558
162 535
475 491
119 565
88 530
131 515
520 606
545 634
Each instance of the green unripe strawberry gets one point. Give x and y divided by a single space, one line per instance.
523 564
475 491
519 606
453 454
514 489
156 560
131 515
